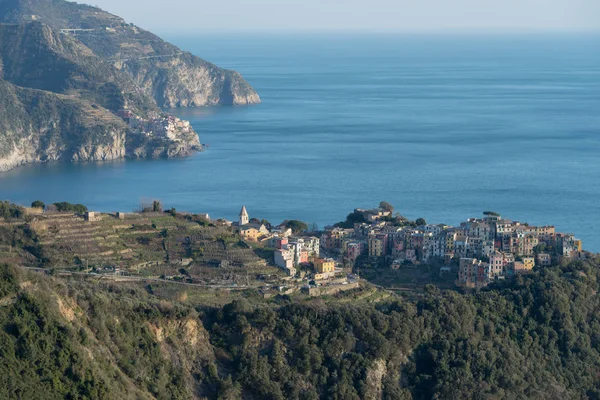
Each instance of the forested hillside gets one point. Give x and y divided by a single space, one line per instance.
535 337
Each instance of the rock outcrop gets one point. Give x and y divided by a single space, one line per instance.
186 81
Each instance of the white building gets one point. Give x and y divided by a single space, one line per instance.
312 245
284 259
244 217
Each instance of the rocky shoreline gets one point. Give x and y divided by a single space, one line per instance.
122 145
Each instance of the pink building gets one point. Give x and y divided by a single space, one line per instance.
398 248
354 250
303 257
279 243
501 263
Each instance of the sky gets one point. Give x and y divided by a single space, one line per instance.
496 16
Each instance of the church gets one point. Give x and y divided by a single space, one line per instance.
250 231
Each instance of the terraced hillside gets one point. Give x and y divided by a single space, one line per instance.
176 247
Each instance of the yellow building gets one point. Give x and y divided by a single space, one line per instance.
450 239
528 263
250 233
324 266
375 247
578 244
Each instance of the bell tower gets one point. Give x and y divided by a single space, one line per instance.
244 218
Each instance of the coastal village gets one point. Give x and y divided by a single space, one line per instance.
287 258
165 127
485 249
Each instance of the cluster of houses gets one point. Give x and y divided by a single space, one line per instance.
289 251
166 127
487 248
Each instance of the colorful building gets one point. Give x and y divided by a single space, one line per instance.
284 259
354 250
324 265
544 260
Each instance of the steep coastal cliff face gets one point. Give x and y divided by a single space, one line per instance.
186 81
38 126
162 70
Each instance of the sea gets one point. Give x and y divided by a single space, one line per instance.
443 127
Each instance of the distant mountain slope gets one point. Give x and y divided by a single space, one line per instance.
35 56
172 77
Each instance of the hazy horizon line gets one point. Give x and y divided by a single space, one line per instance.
454 32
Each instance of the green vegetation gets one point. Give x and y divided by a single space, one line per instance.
11 211
52 79
491 214
420 222
68 207
355 217
296 226
533 337
385 206
38 204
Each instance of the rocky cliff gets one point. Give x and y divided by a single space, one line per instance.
186 81
39 126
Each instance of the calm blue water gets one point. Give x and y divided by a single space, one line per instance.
443 128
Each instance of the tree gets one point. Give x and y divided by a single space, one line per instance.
355 217
68 207
540 248
9 210
38 204
156 206
420 221
296 226
491 214
385 206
